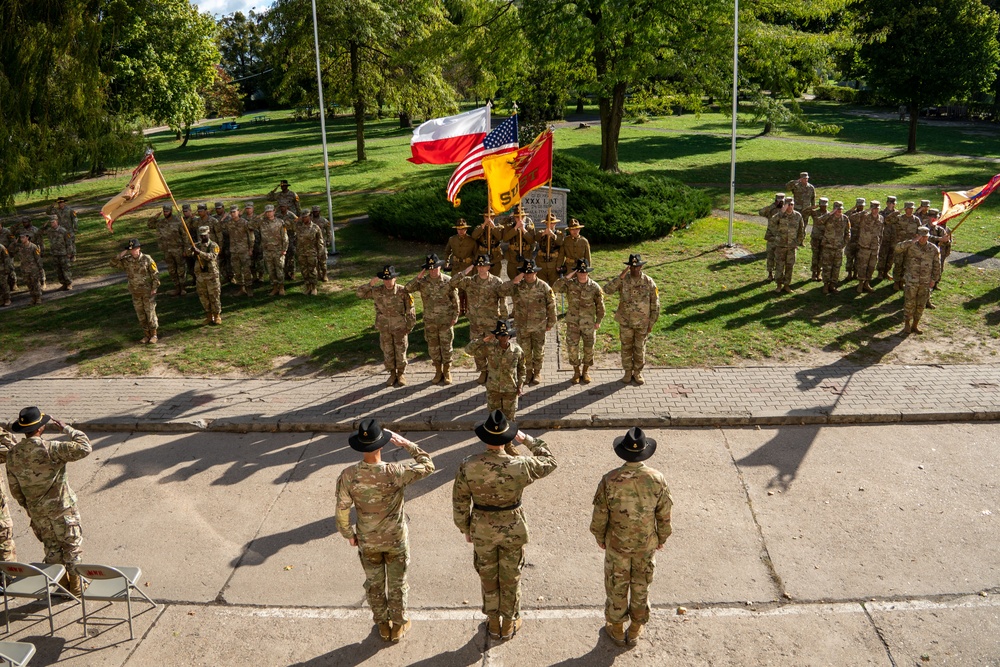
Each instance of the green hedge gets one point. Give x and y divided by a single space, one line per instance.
616 208
835 93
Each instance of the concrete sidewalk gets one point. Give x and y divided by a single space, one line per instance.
777 395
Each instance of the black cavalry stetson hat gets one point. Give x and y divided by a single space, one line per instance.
582 266
634 446
635 260
133 243
370 436
503 329
388 271
483 260
528 266
432 262
496 430
30 420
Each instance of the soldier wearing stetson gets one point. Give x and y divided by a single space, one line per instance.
550 241
459 254
534 315
486 502
584 314
286 197
505 363
440 298
486 306
143 281
574 246
375 489
520 238
631 522
394 319
638 310
36 475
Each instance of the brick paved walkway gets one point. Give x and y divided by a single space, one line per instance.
836 393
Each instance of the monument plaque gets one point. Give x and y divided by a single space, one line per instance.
536 205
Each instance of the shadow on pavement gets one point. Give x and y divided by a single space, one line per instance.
785 451
349 654
604 654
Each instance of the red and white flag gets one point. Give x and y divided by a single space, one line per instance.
957 203
449 140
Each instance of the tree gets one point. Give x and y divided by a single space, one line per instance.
222 96
240 38
928 52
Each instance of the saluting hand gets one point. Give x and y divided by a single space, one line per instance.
373 282
58 423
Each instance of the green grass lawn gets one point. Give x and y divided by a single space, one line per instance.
728 317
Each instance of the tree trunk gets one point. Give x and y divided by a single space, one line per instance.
359 101
405 121
187 134
911 138
612 111
768 127
579 104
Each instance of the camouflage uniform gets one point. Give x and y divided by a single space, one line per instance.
376 491
549 248
788 234
870 229
534 314
36 474
206 273
309 252
506 377
836 232
241 244
172 241
520 245
940 237
67 219
887 247
6 274
8 551
489 237
768 212
324 226
631 520
440 314
274 239
851 251
290 253
584 313
287 198
921 268
638 310
394 319
31 269
8 235
486 484
818 217
222 238
143 281
804 194
62 248
486 306
906 229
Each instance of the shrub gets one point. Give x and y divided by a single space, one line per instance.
835 93
616 208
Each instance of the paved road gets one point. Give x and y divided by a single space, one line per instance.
795 545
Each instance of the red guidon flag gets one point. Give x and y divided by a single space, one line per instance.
146 185
449 140
957 203
534 162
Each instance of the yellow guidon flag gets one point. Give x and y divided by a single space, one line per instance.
146 185
502 181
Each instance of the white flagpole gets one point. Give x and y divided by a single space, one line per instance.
322 128
732 150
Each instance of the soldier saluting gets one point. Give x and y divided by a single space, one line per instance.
143 281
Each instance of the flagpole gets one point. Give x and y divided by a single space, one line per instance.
322 129
176 207
967 214
732 150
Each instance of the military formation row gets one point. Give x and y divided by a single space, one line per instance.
909 245
55 240
630 521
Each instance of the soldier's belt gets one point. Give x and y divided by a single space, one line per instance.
495 508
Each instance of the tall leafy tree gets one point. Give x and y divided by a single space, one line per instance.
926 52
241 41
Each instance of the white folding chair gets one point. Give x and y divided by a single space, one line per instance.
16 654
32 580
110 584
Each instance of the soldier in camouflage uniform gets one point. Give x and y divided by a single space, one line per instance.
143 281
488 236
172 241
836 233
34 233
888 245
8 235
62 248
851 251
638 310
241 244
789 231
440 298
222 238
36 474
486 306
505 361
324 226
394 319
906 229
818 217
31 267
768 212
289 219
206 273
375 489
631 522
584 314
275 241
921 270
66 216
550 242
924 212
309 251
486 502
6 274
520 238
534 315
803 192
285 198
257 268
8 551
941 237
870 229
459 254
573 247
191 224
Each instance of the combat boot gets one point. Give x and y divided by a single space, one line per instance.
399 631
483 374
834 289
493 626
536 377
209 318
437 373
627 377
576 375
392 379
930 306
509 627
281 290
815 276
907 328
861 287
218 318
446 374
637 376
177 291
585 375
777 290
634 632
274 291
243 291
916 328
250 291
826 288
896 286
145 338
868 287
787 289
400 379
385 630
76 585
35 300
7 302
153 338
770 276
616 631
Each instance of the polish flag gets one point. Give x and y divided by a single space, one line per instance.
448 140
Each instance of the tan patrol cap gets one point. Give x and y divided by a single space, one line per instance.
803 174
838 205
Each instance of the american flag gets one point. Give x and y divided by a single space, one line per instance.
501 140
